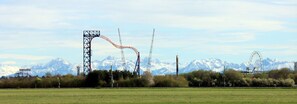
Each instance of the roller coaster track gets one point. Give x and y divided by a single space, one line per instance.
119 46
137 65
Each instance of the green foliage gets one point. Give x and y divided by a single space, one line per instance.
279 74
69 81
149 77
202 78
133 82
170 81
295 77
261 75
234 77
92 79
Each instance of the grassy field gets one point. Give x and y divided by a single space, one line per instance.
149 96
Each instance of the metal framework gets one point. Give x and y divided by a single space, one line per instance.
122 51
23 73
257 65
151 51
177 65
88 35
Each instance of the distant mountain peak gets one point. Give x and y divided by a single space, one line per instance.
109 58
58 61
60 66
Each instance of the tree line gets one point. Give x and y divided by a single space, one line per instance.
231 78
200 78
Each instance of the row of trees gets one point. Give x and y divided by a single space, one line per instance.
201 78
65 81
231 78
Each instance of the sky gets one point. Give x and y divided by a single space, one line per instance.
37 31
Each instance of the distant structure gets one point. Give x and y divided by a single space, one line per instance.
78 70
295 66
151 51
88 36
255 63
122 51
177 65
23 73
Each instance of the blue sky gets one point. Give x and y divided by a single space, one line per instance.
36 31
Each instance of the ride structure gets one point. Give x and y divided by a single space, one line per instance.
88 36
122 51
137 64
255 63
150 54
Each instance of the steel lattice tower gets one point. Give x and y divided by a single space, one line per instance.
88 35
151 51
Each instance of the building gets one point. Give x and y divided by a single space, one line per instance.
295 66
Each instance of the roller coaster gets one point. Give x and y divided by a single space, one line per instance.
88 36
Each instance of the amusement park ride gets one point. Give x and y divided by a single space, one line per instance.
255 63
88 36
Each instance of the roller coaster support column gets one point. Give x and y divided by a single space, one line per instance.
138 65
88 35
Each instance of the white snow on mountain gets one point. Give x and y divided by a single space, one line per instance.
56 66
205 64
60 66
6 70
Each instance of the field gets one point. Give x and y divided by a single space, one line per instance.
150 96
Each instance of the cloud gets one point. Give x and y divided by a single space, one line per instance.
24 57
209 15
235 37
206 15
8 63
31 17
217 23
216 27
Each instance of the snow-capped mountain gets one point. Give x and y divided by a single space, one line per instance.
116 63
206 64
218 65
55 66
269 64
6 70
60 66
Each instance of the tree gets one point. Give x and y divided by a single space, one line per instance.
92 79
149 77
48 74
273 74
234 77
279 74
284 73
295 78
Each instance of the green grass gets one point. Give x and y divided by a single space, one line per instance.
150 96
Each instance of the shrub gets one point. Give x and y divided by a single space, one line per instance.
133 82
92 79
170 81
233 77
202 78
149 77
279 74
287 82
295 77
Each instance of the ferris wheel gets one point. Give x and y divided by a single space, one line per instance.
255 63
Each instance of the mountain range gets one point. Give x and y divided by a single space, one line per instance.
62 67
